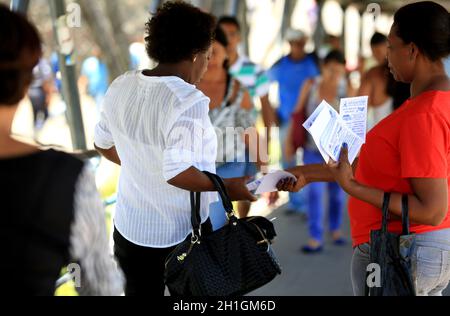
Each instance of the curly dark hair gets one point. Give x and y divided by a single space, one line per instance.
20 50
178 31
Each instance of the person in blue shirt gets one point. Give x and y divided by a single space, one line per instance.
291 72
54 61
95 75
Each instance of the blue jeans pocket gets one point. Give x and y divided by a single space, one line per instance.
428 269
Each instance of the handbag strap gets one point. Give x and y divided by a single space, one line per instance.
195 213
222 190
196 198
386 201
405 215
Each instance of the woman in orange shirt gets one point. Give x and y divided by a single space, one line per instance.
407 153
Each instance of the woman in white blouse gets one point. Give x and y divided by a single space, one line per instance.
155 125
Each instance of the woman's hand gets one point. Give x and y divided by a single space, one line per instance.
237 189
292 185
342 171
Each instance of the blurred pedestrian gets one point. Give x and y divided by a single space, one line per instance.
254 78
291 72
385 94
328 87
94 78
230 112
40 93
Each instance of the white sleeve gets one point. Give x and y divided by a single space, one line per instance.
100 275
102 136
184 141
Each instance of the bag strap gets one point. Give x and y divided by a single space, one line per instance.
222 190
387 199
195 203
195 214
405 215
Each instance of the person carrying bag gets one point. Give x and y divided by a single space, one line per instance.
232 261
393 254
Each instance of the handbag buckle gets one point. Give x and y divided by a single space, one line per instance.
230 215
196 239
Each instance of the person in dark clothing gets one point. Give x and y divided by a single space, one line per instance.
51 212
40 92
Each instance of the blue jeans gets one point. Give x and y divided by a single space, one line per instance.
296 200
430 262
216 210
315 201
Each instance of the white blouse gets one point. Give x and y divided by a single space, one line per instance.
160 128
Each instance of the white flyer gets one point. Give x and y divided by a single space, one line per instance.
316 125
269 182
330 130
354 113
337 133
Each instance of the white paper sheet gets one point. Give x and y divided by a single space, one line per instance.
354 113
316 125
269 182
330 130
336 135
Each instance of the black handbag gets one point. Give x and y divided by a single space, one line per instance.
393 254
232 261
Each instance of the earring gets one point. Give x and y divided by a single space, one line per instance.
195 59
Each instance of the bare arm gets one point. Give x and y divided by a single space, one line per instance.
268 113
428 204
289 150
260 152
48 90
310 174
192 180
196 181
304 95
110 154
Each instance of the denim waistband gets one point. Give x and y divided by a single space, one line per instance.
436 239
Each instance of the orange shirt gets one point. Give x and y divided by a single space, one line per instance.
413 142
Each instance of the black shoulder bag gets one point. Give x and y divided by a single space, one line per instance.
393 254
232 261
